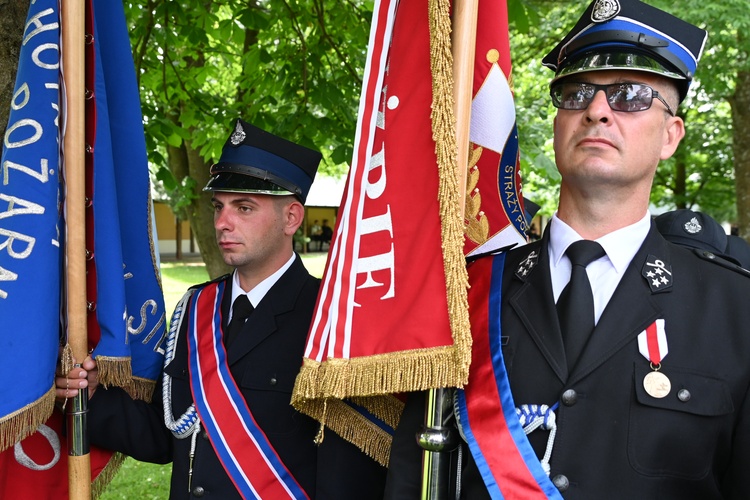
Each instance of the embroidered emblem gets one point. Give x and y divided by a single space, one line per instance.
693 226
527 264
604 10
238 135
658 274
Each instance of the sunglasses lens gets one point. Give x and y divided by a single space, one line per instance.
629 97
573 96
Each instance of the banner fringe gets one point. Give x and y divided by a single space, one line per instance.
114 371
451 215
108 473
141 388
22 423
405 371
355 427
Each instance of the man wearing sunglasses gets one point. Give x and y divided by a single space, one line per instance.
607 362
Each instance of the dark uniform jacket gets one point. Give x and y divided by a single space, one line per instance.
264 361
614 440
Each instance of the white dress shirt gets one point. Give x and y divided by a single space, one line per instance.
604 273
259 291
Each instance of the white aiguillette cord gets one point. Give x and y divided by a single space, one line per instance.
188 425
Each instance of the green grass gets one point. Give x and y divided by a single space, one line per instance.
151 481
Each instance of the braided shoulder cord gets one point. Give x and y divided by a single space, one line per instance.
533 417
188 423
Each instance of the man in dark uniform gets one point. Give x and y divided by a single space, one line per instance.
222 413
649 401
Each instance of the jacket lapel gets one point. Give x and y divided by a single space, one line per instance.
630 310
279 300
530 296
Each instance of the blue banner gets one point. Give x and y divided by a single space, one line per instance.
129 301
30 231
126 324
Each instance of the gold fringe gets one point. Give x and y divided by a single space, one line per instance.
23 422
387 408
141 388
107 475
114 371
353 426
118 372
444 135
405 371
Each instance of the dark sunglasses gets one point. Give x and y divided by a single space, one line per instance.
627 97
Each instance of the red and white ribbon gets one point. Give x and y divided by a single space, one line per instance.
652 342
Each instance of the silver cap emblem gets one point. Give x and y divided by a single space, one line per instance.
693 226
604 10
238 135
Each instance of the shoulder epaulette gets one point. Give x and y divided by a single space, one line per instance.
720 260
220 278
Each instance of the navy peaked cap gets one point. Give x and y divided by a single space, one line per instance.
256 161
629 34
692 229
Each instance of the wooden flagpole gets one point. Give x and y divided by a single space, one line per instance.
464 48
440 436
74 144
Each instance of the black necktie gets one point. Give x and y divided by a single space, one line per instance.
575 307
241 309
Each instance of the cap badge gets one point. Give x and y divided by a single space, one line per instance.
238 135
604 10
693 226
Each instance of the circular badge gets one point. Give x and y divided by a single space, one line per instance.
657 385
604 10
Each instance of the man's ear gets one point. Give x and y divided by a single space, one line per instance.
674 131
294 215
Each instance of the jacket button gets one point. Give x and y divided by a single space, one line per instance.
561 482
569 397
204 435
272 381
198 491
683 395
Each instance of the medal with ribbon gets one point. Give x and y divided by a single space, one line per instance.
652 344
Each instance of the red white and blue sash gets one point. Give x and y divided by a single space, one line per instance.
241 445
486 411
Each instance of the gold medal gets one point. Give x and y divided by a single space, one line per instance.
657 384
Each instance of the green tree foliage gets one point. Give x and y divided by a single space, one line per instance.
292 67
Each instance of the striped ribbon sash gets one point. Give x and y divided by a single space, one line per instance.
487 414
241 445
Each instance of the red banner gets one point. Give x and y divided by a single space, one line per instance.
392 313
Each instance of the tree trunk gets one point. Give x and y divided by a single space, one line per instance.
12 22
740 103
201 217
